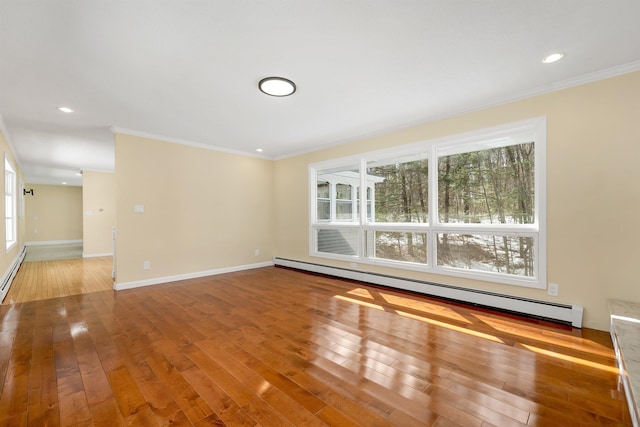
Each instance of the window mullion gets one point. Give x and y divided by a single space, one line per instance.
432 236
333 206
363 209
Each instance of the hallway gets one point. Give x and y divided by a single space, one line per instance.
39 280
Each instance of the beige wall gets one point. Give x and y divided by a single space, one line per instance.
7 257
593 192
99 210
53 213
203 210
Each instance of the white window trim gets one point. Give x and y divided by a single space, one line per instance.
9 244
533 129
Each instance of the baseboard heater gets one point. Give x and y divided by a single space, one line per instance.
562 313
11 273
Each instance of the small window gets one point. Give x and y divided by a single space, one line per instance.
324 202
337 194
10 203
344 202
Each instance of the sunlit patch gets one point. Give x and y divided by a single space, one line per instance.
572 359
451 327
424 319
437 310
393 301
357 301
559 339
625 318
361 293
397 300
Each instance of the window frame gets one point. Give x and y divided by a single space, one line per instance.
499 136
10 174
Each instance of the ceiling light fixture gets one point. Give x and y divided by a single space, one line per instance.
277 86
259 150
554 57
65 109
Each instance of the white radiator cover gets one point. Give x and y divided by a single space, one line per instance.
7 278
566 313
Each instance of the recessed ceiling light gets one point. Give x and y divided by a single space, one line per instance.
277 86
554 57
259 150
65 109
64 182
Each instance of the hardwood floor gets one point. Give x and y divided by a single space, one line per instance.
277 347
37 280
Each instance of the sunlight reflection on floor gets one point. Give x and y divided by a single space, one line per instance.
389 302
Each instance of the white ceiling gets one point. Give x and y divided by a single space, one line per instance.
187 70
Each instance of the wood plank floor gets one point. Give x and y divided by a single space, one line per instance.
277 347
37 280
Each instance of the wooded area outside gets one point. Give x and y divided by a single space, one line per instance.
484 187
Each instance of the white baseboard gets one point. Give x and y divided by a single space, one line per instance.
52 242
8 275
167 279
84 255
565 313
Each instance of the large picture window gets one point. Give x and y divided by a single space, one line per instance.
471 205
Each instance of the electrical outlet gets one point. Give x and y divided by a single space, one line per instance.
146 265
553 289
256 252
353 265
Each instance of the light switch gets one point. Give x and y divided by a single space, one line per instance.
138 208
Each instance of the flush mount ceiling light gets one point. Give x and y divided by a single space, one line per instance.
65 109
277 86
554 57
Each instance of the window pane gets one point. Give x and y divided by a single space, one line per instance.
369 211
323 190
9 230
336 188
343 192
324 201
324 213
494 186
397 246
334 241
344 203
8 206
484 252
344 211
400 189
